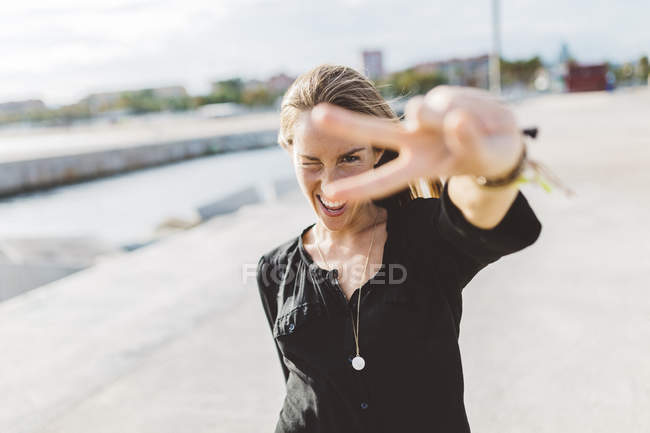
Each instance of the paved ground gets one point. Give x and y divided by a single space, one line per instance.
563 346
169 339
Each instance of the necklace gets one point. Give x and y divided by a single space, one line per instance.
357 362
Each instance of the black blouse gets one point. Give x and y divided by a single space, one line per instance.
409 325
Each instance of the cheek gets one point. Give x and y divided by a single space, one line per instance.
306 179
304 175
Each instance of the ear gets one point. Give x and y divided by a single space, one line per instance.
287 147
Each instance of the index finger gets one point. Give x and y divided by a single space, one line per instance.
359 127
371 184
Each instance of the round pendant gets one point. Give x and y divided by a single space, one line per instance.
358 363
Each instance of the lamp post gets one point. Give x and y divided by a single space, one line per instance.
495 55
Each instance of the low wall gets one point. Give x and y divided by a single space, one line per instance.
39 173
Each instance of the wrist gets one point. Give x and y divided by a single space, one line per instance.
507 176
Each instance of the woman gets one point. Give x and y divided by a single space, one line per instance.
365 304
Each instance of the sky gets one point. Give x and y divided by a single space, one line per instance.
62 50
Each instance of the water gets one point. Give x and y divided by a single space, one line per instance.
127 208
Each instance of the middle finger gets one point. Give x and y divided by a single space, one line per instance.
359 127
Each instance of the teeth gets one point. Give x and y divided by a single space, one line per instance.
332 204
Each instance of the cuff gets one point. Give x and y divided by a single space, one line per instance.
518 229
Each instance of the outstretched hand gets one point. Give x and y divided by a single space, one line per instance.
450 131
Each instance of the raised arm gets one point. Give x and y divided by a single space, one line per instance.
438 229
482 207
453 132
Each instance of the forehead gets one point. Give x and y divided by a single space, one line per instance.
310 140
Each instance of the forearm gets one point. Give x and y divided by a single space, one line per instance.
483 207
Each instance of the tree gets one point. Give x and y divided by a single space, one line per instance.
410 82
520 71
258 96
227 90
141 101
644 70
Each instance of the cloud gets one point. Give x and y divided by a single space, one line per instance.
61 53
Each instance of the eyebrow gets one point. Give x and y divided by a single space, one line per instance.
355 150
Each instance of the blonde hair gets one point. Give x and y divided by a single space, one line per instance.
347 88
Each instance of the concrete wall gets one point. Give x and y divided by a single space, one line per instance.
33 174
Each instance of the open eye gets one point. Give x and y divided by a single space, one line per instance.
350 158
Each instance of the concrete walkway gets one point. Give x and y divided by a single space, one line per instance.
169 338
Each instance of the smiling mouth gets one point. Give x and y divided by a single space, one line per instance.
331 208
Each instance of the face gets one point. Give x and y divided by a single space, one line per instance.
320 159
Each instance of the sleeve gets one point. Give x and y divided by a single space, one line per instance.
472 247
267 293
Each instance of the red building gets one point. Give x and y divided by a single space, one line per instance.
584 78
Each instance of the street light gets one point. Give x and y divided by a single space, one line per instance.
495 66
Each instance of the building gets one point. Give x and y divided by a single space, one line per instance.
584 78
109 100
565 55
102 101
373 64
470 71
170 92
22 107
280 82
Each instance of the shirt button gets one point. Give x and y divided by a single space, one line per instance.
291 327
364 405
